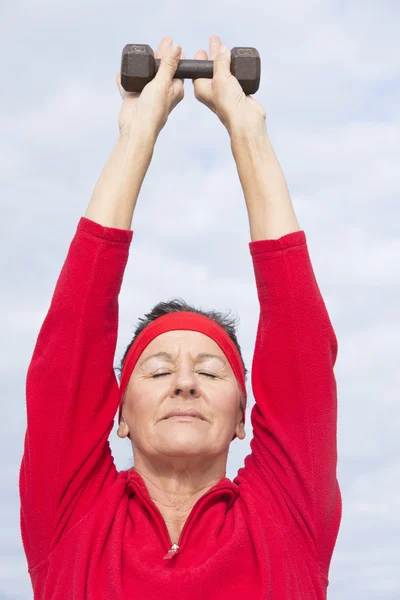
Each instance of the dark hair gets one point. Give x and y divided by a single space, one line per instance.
178 305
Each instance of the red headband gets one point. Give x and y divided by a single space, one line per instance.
188 321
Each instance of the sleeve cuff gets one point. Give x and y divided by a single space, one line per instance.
110 234
290 240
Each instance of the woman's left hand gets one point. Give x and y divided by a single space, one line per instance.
148 110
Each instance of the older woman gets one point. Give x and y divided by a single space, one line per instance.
174 526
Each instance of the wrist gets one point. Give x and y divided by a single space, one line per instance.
251 129
251 143
144 139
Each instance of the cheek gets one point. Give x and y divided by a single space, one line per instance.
227 404
142 406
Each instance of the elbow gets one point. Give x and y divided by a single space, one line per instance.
333 344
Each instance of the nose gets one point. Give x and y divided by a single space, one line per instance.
184 392
185 383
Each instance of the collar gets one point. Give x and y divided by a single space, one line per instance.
224 486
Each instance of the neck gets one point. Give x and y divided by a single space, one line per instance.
175 490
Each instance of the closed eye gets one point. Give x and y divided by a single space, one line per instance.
161 374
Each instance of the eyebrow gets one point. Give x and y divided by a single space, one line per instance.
201 357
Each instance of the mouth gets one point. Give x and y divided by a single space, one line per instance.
183 418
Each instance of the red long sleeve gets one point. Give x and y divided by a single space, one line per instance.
294 419
72 391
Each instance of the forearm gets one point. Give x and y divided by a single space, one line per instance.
114 198
269 206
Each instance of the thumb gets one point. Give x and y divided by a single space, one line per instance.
119 85
222 62
169 63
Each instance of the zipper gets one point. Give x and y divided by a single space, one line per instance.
172 551
174 548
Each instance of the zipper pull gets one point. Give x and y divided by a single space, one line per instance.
171 553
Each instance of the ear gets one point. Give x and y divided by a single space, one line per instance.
240 432
123 429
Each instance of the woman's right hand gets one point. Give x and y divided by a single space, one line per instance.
148 110
224 95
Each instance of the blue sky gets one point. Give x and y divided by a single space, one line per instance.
331 89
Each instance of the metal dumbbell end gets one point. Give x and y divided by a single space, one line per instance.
139 66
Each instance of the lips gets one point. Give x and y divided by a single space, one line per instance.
185 413
183 418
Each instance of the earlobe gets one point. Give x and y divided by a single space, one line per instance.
240 432
123 429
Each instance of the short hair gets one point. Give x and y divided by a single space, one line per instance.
227 322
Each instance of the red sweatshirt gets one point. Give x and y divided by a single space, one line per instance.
91 532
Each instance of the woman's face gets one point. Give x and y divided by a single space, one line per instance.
182 380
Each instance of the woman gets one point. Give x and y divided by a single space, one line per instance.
173 526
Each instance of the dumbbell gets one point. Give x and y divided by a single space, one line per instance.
138 67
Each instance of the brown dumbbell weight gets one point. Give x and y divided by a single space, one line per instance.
139 66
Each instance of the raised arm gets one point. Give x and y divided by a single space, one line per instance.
72 394
294 453
294 446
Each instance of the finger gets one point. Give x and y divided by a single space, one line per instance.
169 63
215 45
178 87
201 86
178 90
163 46
118 80
201 55
222 62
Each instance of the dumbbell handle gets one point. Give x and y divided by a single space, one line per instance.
192 69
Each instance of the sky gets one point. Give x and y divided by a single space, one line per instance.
330 85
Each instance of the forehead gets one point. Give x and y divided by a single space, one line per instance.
182 342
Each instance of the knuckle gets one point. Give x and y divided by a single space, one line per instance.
199 95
